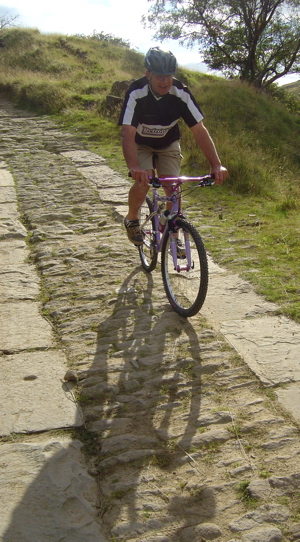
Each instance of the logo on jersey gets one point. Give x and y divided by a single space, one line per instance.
154 132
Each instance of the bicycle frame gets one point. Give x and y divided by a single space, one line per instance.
174 184
183 257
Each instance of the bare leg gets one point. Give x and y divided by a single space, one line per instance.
169 205
136 197
168 193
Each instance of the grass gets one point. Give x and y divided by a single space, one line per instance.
90 441
245 495
251 224
257 239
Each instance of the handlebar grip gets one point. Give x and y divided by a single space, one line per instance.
155 182
208 180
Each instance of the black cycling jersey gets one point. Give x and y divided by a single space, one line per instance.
156 118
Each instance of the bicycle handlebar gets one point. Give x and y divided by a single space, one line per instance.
205 180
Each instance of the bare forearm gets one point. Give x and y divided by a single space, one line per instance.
207 146
131 155
129 147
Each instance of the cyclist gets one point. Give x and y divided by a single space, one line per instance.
149 118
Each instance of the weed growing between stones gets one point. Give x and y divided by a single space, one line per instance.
163 459
264 474
90 441
295 503
245 495
236 430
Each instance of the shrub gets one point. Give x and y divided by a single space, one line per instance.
44 97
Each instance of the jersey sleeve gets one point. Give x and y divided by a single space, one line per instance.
130 110
128 113
190 111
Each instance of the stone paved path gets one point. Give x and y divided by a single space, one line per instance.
186 440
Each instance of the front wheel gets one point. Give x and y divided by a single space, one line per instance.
185 286
147 250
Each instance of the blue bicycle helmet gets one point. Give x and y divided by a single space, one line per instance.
160 62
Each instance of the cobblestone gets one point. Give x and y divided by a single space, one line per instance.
186 442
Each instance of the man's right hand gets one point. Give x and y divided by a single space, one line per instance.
140 175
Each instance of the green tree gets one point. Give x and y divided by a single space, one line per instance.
257 40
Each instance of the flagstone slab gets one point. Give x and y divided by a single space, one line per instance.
23 327
18 282
270 345
12 229
8 211
213 267
34 396
6 178
84 158
229 298
289 397
13 252
7 194
46 493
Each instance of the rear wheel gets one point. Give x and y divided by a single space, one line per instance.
186 289
147 250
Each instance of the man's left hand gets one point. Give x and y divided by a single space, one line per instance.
220 173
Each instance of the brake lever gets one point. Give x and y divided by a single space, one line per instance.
155 182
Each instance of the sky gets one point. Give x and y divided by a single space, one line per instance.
122 18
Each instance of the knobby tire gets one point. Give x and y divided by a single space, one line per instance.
186 290
147 252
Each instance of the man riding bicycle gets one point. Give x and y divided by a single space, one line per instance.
149 118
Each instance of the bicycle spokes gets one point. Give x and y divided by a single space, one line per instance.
147 251
185 280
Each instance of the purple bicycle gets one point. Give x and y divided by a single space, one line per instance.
183 257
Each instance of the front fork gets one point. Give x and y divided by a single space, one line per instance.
173 248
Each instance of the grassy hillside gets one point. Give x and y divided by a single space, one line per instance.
293 87
257 136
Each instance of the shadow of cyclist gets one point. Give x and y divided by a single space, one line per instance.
143 398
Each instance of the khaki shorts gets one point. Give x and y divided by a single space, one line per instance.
166 161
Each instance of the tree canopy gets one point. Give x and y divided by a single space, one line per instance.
257 40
